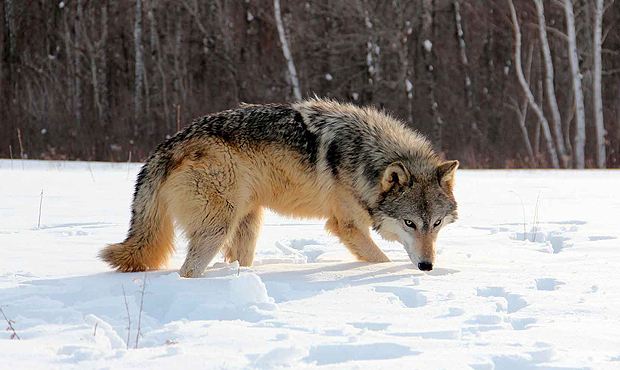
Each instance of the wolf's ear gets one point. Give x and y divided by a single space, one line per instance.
445 173
395 174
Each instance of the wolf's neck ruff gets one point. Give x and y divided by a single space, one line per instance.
356 167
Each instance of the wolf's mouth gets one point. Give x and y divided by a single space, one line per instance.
412 256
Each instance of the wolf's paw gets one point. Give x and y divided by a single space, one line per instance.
190 272
379 258
382 259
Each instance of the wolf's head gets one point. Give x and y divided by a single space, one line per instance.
413 207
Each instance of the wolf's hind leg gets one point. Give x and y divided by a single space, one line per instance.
208 223
242 245
203 247
358 241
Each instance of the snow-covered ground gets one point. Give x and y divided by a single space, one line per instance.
504 295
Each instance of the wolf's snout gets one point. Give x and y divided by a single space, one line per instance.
425 266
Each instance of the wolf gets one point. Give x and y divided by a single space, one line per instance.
356 167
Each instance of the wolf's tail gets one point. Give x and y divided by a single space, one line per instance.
149 242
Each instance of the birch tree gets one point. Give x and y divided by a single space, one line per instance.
521 109
286 50
427 33
372 50
552 101
553 155
463 52
405 31
580 116
597 99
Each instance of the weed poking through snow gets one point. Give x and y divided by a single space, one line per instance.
10 326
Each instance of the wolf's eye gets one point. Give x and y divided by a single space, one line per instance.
410 224
437 223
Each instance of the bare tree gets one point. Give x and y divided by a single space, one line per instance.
573 58
74 46
427 33
553 155
10 45
597 99
71 72
521 109
463 52
139 60
372 49
96 52
157 58
286 50
8 79
549 84
406 72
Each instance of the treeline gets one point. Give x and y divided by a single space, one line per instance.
521 83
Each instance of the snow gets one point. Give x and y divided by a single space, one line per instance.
527 278
428 45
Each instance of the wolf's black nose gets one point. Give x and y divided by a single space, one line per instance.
425 266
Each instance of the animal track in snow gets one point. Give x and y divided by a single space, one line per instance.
297 251
378 326
435 334
548 284
339 353
481 323
409 297
543 353
595 238
522 323
453 312
514 302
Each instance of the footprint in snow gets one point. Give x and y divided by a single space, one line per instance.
375 326
522 323
548 284
338 353
407 296
595 238
514 302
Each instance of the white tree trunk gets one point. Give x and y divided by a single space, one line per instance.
292 71
521 109
372 50
553 155
406 29
556 119
596 86
580 118
139 60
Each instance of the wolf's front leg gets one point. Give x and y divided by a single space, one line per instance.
357 240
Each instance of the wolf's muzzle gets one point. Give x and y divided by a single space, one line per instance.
425 266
